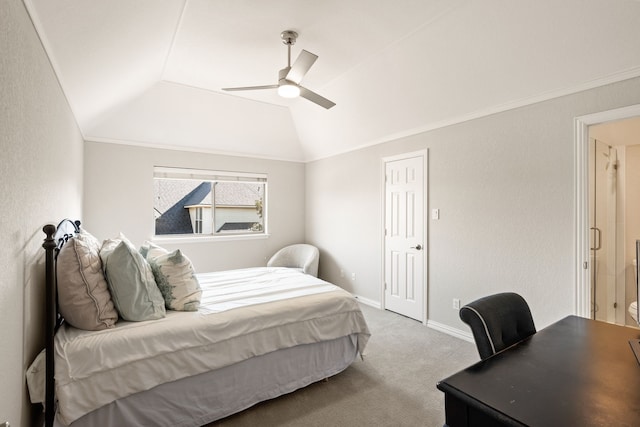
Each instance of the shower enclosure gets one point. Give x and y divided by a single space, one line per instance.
606 242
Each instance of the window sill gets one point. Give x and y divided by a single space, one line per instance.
206 239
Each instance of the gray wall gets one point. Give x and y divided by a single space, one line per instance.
504 185
38 138
118 198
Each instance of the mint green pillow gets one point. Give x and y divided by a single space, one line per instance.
151 250
130 279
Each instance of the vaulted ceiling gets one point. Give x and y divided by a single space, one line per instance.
150 72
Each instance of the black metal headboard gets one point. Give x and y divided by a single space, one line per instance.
56 238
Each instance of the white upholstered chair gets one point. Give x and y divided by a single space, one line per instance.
301 256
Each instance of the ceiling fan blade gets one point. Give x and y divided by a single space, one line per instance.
299 68
314 97
250 88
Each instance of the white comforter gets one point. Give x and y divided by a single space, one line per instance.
244 313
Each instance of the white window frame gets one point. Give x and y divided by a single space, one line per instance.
168 172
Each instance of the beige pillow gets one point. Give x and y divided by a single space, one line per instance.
83 294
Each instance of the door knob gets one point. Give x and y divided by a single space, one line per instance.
419 247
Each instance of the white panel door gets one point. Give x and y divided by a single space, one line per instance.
404 237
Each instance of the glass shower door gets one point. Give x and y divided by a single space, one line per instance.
602 219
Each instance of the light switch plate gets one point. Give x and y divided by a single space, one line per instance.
435 213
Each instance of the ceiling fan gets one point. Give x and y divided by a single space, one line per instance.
289 78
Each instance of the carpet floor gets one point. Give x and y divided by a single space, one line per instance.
395 384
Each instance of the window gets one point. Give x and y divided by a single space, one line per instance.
198 222
201 202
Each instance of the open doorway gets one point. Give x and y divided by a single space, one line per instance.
614 217
605 280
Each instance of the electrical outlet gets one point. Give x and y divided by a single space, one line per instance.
353 276
456 304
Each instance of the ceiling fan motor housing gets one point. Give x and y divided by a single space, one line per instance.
289 37
287 88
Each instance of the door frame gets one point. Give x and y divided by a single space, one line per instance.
582 272
425 200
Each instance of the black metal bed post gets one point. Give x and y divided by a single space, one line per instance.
50 300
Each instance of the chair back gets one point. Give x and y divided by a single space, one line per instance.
498 321
302 256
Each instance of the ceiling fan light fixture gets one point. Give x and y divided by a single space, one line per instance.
288 90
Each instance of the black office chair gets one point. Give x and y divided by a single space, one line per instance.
498 321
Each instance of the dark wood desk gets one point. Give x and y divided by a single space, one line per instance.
576 372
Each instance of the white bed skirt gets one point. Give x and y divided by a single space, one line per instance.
204 398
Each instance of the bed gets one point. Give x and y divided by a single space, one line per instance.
258 333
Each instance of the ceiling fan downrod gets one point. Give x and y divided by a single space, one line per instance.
289 38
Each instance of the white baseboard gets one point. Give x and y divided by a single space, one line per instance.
463 335
369 302
440 327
